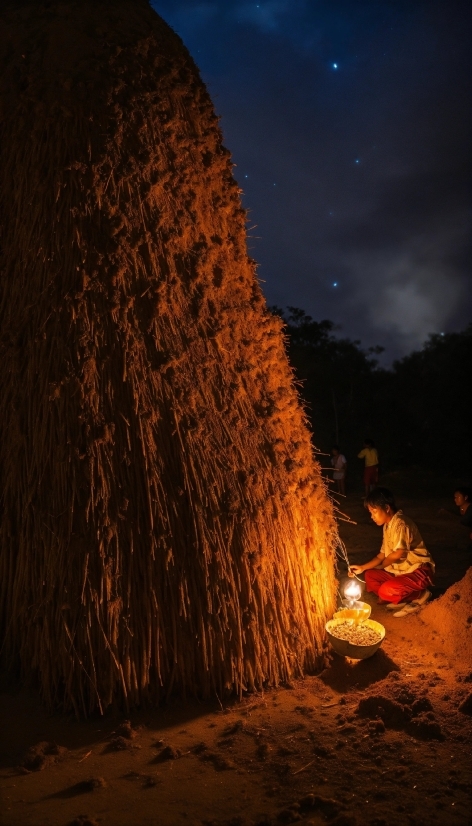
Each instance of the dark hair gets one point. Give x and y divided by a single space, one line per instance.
380 498
466 492
369 442
335 447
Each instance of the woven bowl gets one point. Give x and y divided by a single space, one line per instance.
347 649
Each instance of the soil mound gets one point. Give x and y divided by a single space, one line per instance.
401 706
450 617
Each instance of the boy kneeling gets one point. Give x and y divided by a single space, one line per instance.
403 569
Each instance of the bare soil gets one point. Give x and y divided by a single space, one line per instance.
382 742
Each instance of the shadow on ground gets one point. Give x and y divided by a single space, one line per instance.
345 674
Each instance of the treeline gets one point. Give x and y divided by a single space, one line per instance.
417 412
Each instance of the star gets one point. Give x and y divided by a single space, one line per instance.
335 65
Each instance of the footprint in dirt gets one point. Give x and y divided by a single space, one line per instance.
83 787
41 755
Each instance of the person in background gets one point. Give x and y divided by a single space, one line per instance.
371 465
339 464
463 500
402 571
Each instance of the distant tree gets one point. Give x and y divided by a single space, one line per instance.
418 412
336 378
428 397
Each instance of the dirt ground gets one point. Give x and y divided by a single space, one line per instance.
382 742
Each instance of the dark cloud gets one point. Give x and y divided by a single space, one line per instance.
355 176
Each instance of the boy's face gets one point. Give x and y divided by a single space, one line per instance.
379 516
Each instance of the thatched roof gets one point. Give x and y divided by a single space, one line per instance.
164 523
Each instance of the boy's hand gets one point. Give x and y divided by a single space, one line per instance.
355 569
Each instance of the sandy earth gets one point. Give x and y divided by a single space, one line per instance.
382 741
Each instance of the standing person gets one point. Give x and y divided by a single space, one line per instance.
371 465
403 570
339 464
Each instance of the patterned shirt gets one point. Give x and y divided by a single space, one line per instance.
402 533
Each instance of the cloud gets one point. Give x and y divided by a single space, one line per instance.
414 309
413 289
406 258
266 15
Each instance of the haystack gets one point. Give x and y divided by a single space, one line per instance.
165 527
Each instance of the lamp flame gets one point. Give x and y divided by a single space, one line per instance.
352 590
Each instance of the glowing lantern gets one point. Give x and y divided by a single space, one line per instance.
353 610
352 591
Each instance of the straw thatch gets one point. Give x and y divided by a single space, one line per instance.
165 526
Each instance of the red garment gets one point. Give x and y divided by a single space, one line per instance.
371 475
402 588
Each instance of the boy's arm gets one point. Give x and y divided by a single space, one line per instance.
379 561
372 563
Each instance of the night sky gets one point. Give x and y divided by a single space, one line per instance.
349 125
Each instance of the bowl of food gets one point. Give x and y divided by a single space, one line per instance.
355 640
